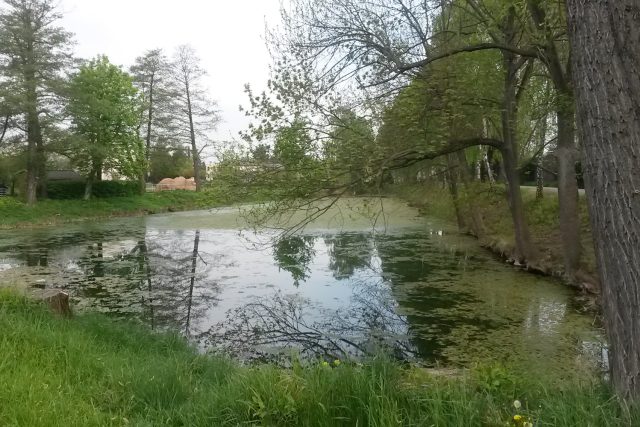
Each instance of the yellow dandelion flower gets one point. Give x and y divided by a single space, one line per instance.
517 418
337 362
325 363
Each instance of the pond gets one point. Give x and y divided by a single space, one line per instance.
349 284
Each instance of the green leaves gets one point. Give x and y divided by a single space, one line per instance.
104 108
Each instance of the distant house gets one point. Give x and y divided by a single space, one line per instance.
64 175
3 190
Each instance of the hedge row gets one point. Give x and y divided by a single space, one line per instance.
62 190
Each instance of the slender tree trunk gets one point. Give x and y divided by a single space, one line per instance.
604 37
540 177
144 175
540 160
568 191
149 124
487 166
192 135
566 152
451 178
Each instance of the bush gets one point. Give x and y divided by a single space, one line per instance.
64 190
105 189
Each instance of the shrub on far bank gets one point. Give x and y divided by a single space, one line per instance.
65 190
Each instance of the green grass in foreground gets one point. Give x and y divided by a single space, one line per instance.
92 371
14 213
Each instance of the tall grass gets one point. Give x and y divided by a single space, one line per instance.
92 371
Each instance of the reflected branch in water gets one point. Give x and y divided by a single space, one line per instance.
267 329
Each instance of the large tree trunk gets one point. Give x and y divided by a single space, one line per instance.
604 37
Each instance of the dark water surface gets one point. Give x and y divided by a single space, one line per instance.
343 287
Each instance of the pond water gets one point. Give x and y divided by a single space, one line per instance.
348 285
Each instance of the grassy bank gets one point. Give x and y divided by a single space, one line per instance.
92 371
15 214
541 215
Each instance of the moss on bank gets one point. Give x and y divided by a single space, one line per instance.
15 214
541 215
93 371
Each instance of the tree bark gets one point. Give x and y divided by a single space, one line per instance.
540 178
32 173
604 37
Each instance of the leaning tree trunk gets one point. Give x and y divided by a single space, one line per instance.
604 37
524 248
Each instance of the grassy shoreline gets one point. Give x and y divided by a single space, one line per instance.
15 214
94 371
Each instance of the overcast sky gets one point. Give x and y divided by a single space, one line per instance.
228 36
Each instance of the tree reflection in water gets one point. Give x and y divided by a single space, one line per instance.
175 282
294 254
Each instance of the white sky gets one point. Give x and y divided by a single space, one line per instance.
228 36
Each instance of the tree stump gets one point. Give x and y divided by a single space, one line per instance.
57 300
